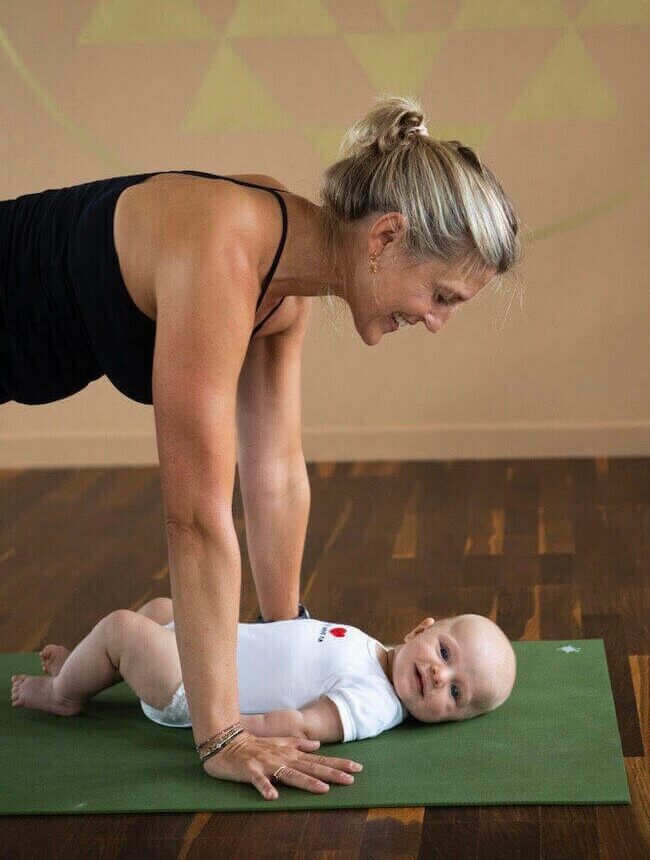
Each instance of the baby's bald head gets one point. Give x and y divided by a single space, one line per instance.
487 650
453 669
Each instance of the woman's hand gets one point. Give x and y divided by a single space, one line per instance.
251 759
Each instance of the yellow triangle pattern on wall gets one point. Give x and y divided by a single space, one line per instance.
509 14
568 86
280 18
395 11
325 140
118 21
397 62
231 98
471 134
615 12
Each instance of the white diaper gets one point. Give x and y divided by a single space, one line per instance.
176 714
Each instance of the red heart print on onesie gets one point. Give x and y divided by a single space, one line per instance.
338 631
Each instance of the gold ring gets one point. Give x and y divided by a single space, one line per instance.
277 772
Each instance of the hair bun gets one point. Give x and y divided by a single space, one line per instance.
407 126
393 122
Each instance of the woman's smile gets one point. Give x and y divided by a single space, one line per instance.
399 319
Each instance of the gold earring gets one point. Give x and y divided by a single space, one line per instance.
373 264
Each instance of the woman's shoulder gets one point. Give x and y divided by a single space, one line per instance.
173 215
260 179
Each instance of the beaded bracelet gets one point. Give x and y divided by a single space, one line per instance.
217 735
220 745
217 742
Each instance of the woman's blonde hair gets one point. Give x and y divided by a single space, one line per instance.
456 208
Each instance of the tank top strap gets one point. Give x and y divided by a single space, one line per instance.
268 316
283 206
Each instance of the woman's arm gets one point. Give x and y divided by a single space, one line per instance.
272 470
205 300
197 361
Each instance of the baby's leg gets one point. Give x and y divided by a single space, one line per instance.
122 646
159 609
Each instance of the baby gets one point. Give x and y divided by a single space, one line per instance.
304 677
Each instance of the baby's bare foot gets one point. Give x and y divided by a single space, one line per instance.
36 691
52 659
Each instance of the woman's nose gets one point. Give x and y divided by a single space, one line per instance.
434 322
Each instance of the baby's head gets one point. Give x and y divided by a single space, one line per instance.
453 669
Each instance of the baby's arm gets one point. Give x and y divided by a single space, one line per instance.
318 721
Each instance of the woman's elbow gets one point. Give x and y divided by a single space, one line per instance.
215 526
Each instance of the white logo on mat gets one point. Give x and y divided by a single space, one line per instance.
569 649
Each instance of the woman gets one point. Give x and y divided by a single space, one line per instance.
192 292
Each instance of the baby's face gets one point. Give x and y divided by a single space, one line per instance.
454 669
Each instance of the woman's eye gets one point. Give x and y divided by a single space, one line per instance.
442 300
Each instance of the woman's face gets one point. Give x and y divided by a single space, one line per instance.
399 294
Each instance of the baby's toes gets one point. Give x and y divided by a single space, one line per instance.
16 689
52 658
46 654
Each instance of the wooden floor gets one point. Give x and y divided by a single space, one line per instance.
549 549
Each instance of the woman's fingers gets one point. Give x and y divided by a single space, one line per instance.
299 779
325 772
306 744
341 764
345 765
263 785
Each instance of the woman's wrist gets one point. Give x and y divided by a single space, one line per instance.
213 745
302 613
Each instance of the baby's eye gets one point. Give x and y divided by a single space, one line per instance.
455 692
444 650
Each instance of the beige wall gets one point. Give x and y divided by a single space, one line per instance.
554 96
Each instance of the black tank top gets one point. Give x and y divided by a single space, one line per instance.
66 316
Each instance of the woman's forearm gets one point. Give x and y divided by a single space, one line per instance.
277 512
205 577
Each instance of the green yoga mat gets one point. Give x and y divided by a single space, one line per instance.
554 741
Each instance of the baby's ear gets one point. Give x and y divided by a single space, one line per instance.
422 626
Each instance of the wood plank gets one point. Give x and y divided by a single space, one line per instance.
557 568
449 833
610 629
521 509
568 840
512 839
560 613
331 833
556 509
518 613
392 832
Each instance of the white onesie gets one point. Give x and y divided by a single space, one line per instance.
289 664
